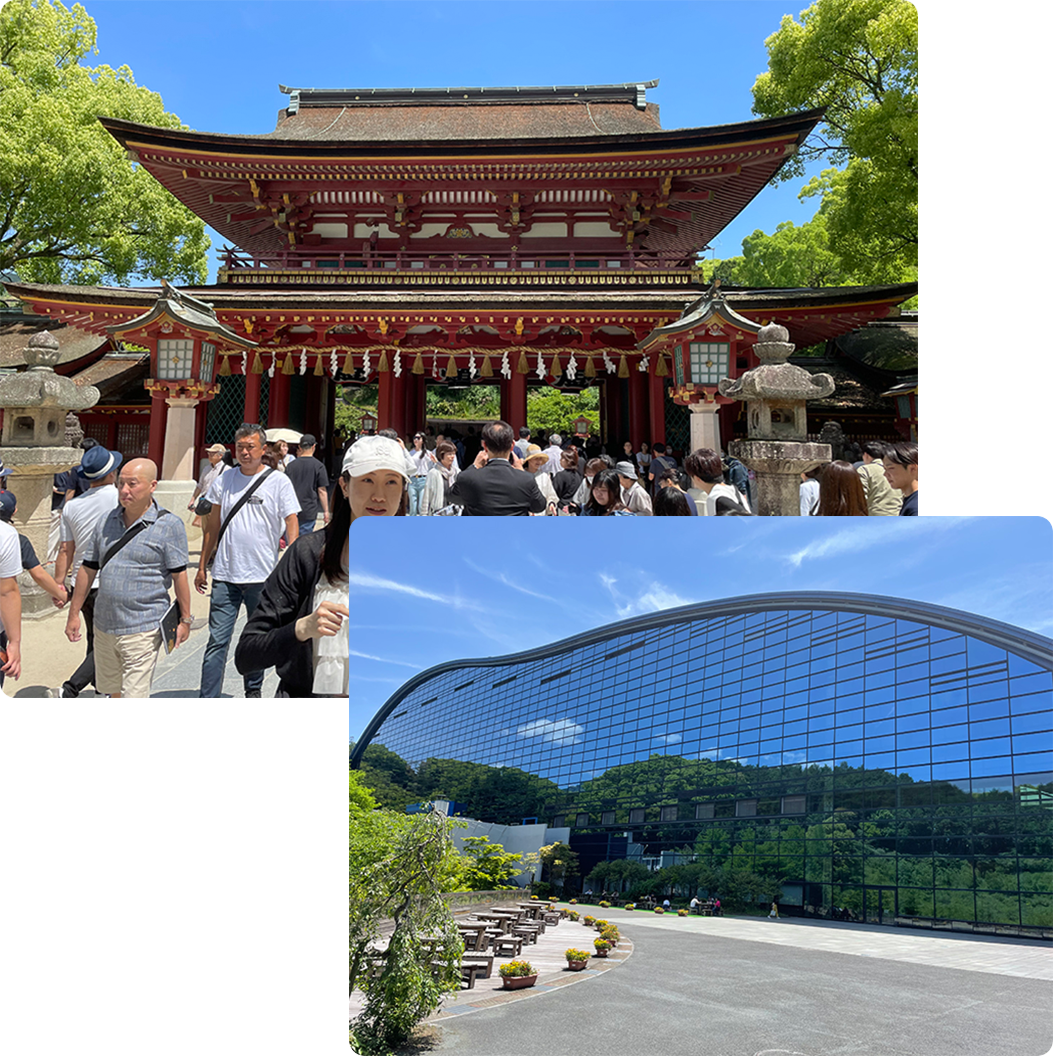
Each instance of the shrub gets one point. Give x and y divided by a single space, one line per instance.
516 969
576 955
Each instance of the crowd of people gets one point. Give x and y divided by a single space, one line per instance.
496 473
119 558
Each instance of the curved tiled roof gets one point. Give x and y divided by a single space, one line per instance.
1032 647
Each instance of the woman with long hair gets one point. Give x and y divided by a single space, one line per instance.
299 625
605 497
671 502
568 479
841 492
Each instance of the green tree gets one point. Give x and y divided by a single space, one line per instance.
398 867
486 866
859 60
73 208
550 410
560 862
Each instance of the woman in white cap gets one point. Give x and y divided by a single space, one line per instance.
216 465
302 612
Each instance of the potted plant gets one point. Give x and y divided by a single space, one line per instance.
573 901
577 959
605 905
600 924
518 975
659 910
681 912
630 906
602 947
574 914
611 934
589 921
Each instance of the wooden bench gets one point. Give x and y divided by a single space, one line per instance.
513 943
475 967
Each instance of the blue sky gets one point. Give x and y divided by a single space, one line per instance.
423 592
218 65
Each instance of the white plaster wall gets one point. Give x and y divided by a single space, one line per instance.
516 839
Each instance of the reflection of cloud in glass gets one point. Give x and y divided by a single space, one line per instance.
672 738
561 731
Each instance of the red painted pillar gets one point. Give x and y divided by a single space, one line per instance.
158 421
639 411
615 427
414 391
278 413
390 400
656 402
513 398
252 398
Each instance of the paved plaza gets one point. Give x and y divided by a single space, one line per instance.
731 986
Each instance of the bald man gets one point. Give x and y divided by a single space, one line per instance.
139 552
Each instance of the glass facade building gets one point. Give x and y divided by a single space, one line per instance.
888 756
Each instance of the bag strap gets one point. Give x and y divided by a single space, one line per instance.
241 502
127 538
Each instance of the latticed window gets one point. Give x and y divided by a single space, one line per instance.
133 439
709 361
608 817
636 816
704 810
746 808
677 423
208 358
582 821
793 804
668 814
225 410
174 356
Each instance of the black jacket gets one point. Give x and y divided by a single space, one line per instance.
497 490
269 638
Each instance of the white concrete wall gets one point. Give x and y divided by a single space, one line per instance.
516 839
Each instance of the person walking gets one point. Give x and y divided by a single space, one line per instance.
441 477
30 561
10 604
80 516
707 475
138 552
841 492
252 507
300 623
882 499
216 466
535 462
492 485
605 497
900 463
311 484
422 461
633 495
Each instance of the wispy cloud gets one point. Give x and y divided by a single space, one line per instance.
383 660
671 738
377 583
560 731
507 581
871 533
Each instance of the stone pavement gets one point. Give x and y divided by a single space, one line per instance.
730 986
48 657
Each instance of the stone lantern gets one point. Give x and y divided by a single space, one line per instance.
777 448
35 403
184 337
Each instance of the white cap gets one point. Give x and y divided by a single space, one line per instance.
372 453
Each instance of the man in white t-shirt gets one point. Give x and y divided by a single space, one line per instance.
80 516
247 552
10 602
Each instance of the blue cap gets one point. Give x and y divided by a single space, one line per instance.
98 462
8 502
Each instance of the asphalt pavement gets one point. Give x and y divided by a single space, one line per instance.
753 987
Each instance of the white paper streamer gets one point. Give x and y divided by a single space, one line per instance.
365 364
609 363
397 370
643 364
270 369
506 370
245 363
332 364
303 360
540 366
572 368
471 364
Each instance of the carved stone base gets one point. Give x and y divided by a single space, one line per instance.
778 465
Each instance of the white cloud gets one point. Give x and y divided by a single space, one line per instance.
377 583
653 597
560 731
878 531
383 660
504 580
672 738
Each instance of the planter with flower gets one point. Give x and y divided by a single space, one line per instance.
605 905
573 901
659 910
518 975
588 921
611 934
630 906
681 912
602 947
574 915
577 959
599 925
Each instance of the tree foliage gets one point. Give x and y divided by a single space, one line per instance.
502 794
399 865
73 208
559 861
487 866
859 60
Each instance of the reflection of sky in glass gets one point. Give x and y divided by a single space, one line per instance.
762 689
